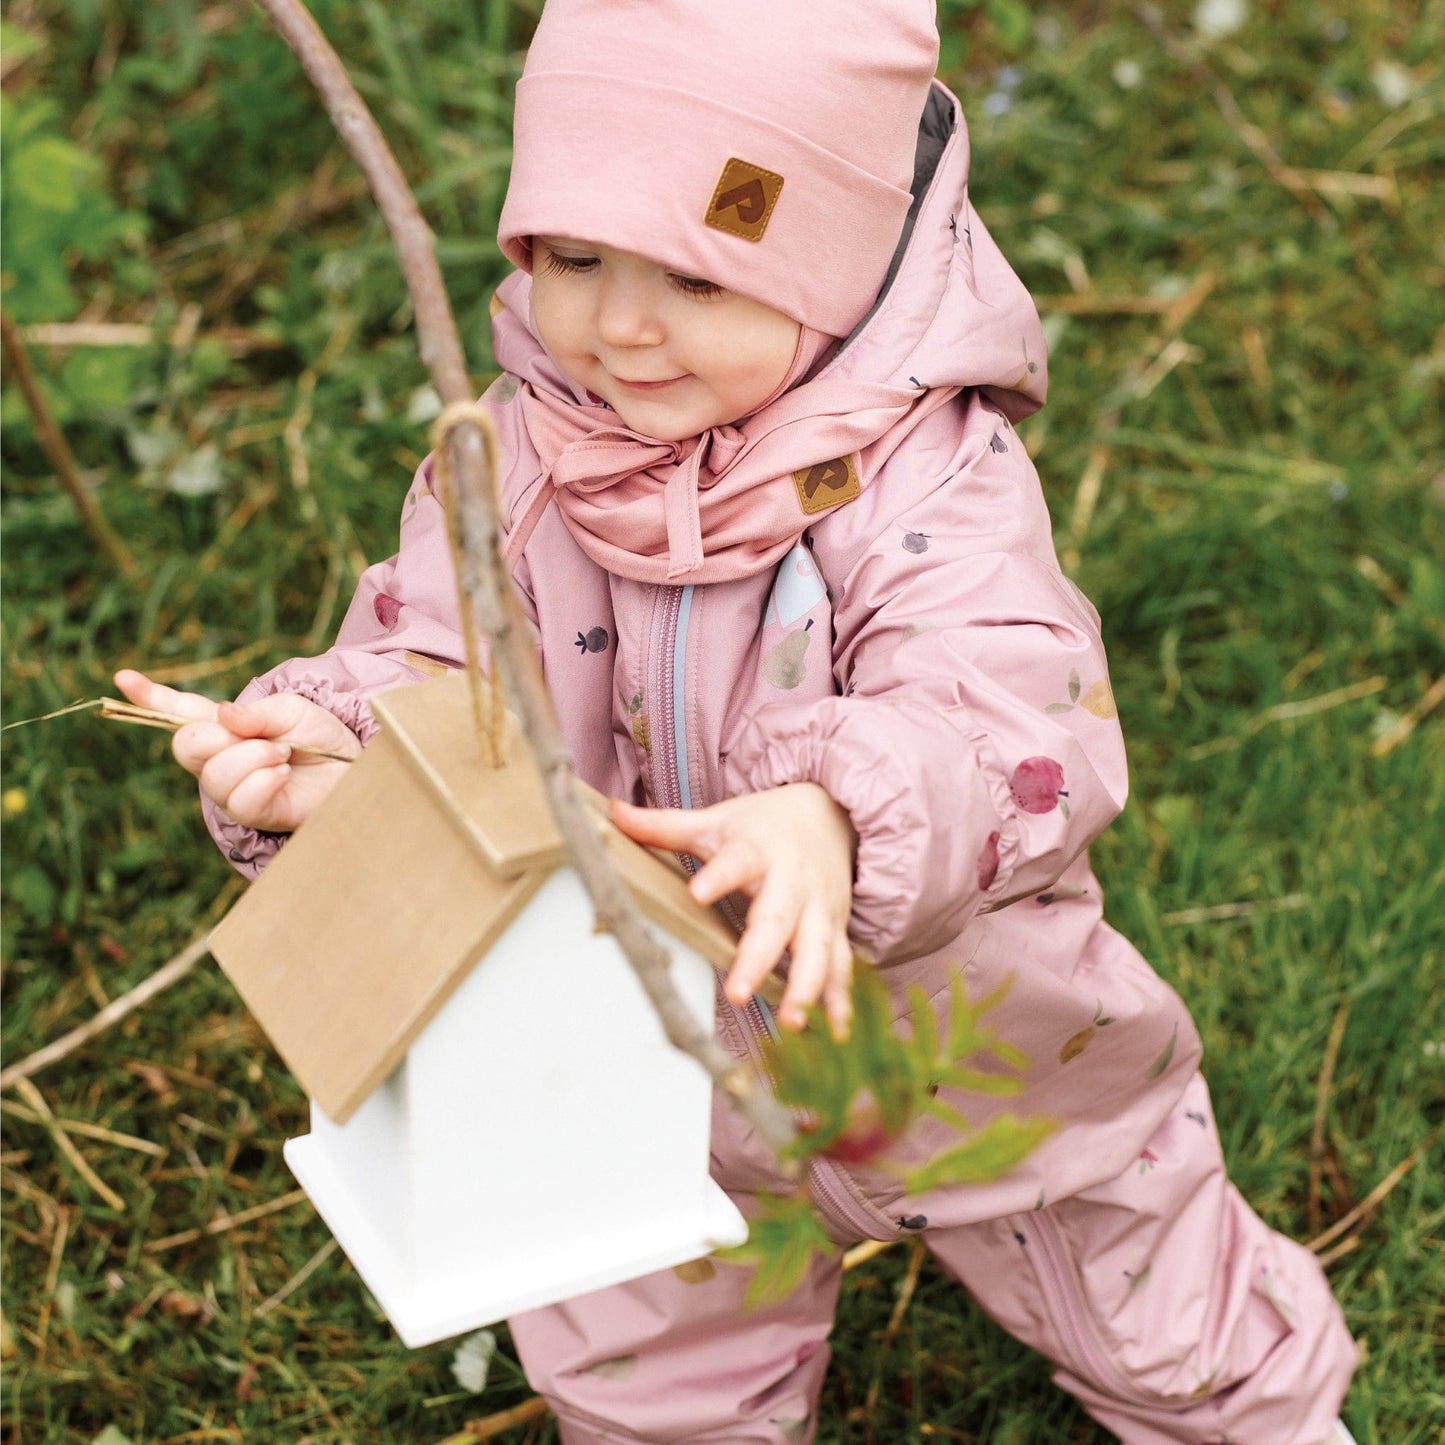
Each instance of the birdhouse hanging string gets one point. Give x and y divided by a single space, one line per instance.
488 707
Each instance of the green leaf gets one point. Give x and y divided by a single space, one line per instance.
1004 1142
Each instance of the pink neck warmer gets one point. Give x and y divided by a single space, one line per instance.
716 507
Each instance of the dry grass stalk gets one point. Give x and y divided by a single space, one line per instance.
895 1321
225 1223
297 1280
161 979
114 710
88 1131
238 340
1360 1214
66 1145
1218 912
1257 142
1387 742
57 451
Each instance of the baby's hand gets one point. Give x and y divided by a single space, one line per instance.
242 753
790 849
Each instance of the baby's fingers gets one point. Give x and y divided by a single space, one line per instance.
223 775
142 691
820 967
771 922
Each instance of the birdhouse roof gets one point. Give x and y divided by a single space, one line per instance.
421 857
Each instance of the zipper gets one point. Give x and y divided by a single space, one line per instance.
674 790
672 786
1063 1294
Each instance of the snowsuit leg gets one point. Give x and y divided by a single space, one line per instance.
1169 1309
658 1359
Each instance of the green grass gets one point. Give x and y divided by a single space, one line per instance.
1266 545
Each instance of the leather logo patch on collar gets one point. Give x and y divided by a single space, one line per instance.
827 485
742 204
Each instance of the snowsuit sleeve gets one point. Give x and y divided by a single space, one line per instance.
401 627
973 740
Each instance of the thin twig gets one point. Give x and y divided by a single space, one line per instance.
52 1281
142 993
1258 143
1361 1213
1322 1099
66 1145
297 1279
483 581
895 1321
226 1222
238 340
57 451
1388 741
88 1130
1217 912
491 1426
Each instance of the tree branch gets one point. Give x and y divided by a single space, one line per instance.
57 451
488 600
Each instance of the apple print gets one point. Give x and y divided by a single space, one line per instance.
387 610
915 542
988 862
1037 784
594 641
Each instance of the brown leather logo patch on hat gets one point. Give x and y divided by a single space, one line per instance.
744 199
827 484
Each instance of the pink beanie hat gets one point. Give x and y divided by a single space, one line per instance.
766 145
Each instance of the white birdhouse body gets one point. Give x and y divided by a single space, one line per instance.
504 1124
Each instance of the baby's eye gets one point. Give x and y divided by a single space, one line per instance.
557 264
695 285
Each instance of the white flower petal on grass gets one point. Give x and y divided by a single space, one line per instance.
112 1435
197 475
1128 74
1394 84
422 406
1214 19
472 1360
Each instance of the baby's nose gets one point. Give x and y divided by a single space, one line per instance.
628 313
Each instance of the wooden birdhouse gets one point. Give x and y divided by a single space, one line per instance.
497 1119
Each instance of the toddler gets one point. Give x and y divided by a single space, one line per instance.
795 596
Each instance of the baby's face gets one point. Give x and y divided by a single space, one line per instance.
672 355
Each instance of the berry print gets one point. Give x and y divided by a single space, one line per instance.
913 1221
387 610
915 542
988 862
1037 784
594 641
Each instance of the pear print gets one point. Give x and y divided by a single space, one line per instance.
785 664
1076 1045
641 727
997 443
1037 784
1099 699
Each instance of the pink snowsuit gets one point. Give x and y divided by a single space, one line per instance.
917 651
